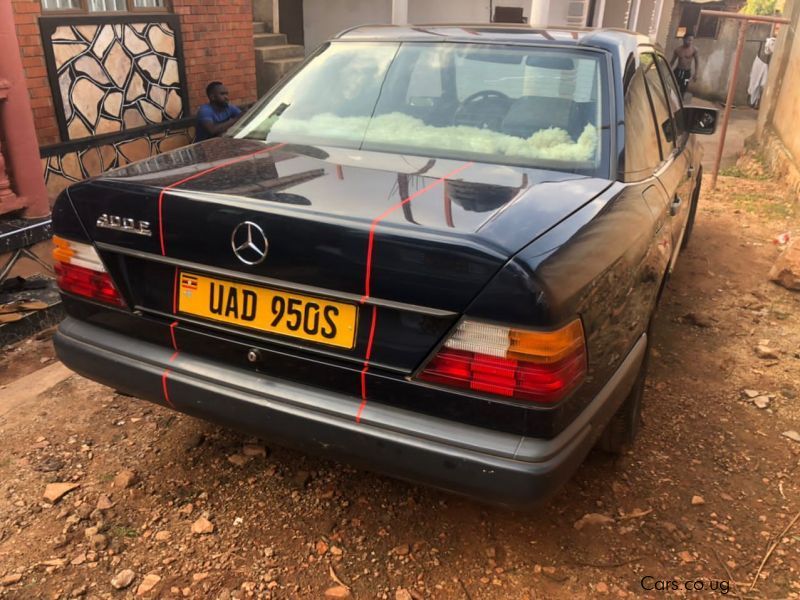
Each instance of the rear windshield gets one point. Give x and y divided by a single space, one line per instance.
500 104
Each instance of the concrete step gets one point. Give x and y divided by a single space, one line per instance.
269 39
269 72
259 27
266 53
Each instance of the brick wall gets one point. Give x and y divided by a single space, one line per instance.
26 15
218 45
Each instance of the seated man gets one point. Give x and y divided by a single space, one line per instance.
214 118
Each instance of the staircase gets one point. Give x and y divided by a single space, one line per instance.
274 56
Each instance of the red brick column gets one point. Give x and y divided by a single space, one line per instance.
7 195
218 45
26 18
16 122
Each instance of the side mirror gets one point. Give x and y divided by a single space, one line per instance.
701 119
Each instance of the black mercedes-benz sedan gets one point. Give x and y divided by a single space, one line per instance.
432 251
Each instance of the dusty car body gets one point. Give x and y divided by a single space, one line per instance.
434 252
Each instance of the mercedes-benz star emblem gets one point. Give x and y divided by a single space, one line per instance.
249 243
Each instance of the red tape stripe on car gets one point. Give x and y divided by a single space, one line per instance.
366 364
165 375
172 327
368 276
167 371
390 210
172 186
175 292
164 388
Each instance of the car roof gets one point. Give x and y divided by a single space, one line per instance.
616 40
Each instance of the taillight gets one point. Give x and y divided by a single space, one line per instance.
540 366
80 271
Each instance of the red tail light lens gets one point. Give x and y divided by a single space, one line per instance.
80 271
537 366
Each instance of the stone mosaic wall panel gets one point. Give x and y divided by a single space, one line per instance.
62 170
114 76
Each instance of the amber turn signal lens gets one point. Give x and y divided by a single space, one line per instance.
62 252
545 346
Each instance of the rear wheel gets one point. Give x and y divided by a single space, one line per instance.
626 422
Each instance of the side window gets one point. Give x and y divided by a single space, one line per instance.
642 154
660 106
673 95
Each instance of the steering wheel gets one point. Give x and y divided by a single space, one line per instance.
483 109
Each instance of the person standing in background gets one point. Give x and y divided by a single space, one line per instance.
685 62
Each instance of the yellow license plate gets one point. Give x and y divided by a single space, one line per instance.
264 309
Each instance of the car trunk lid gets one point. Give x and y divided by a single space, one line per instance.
414 236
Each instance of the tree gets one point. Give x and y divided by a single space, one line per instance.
762 7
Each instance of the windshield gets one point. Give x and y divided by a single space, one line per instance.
499 104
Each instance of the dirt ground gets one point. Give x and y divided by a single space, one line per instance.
708 489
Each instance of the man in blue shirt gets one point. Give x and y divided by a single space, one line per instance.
214 118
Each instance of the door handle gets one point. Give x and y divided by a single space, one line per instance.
676 203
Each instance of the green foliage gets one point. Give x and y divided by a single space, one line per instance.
762 7
770 206
123 532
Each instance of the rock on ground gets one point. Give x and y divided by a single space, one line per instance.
338 592
202 526
765 352
104 502
792 435
592 519
11 579
238 459
254 450
55 491
761 401
123 579
148 583
125 479
786 270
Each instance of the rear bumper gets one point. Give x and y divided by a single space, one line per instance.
491 466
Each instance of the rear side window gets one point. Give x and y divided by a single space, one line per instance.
642 154
660 106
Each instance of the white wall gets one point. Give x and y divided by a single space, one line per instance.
449 11
663 25
459 11
616 14
323 19
557 15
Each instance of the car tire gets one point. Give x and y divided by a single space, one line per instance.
692 211
626 422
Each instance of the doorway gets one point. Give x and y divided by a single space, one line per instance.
290 15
